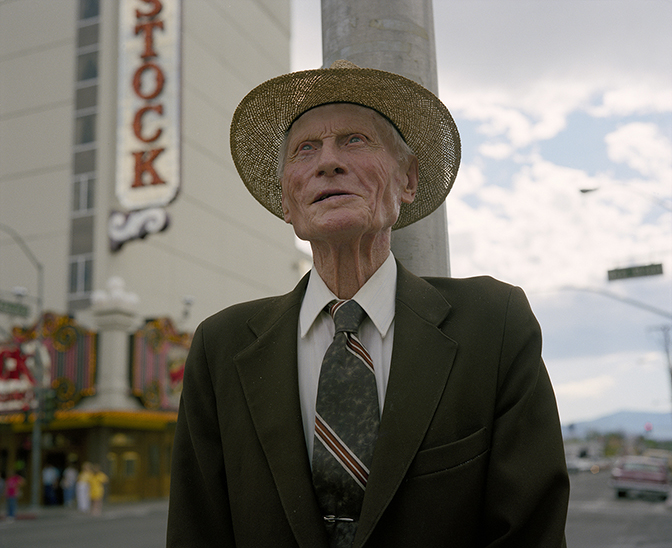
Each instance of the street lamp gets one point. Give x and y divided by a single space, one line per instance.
36 453
659 201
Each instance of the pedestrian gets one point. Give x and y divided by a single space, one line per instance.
69 485
368 406
13 486
83 488
50 477
97 481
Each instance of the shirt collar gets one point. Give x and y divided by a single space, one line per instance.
376 297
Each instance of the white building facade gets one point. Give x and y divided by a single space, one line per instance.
115 165
61 124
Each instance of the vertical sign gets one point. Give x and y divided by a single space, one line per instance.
148 120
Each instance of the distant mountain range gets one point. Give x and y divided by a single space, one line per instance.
657 426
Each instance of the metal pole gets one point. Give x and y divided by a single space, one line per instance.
665 331
36 444
397 36
36 454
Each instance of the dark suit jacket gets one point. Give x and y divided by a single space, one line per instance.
469 452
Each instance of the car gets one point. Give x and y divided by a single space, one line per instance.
584 464
637 475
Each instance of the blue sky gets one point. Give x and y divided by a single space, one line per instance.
551 97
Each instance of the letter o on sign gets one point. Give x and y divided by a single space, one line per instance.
159 79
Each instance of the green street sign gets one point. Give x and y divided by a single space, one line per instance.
635 271
15 309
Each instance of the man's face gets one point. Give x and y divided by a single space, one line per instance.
342 178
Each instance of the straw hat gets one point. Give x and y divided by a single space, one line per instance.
267 112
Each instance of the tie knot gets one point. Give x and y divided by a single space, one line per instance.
347 315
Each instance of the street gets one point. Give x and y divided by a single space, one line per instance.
133 525
596 520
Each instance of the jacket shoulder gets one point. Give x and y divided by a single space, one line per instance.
240 311
259 313
484 290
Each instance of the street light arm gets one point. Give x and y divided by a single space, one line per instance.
632 302
22 244
655 199
33 259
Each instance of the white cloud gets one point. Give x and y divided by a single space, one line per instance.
521 117
471 179
497 151
541 232
592 386
586 388
645 98
643 147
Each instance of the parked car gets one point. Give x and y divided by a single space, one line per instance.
640 476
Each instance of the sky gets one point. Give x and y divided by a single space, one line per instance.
552 97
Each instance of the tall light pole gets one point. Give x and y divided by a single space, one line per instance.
396 36
640 271
36 451
667 342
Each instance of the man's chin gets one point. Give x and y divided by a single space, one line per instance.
340 231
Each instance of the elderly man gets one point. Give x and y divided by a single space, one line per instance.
367 407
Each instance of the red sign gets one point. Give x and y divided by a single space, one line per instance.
17 382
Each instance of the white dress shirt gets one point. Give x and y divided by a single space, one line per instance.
316 332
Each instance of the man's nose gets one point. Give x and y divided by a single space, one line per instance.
330 161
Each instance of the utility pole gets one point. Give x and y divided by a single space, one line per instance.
396 36
667 343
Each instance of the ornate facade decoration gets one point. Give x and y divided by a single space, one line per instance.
158 353
67 361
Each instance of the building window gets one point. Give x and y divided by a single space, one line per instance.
85 129
83 190
89 9
81 275
87 66
86 97
87 35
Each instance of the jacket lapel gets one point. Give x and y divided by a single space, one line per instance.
268 373
422 358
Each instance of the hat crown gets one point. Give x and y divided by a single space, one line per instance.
343 64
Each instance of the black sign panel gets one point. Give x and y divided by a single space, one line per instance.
635 271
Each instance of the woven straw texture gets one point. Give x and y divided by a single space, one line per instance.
265 114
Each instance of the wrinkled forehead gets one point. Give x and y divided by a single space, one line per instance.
350 111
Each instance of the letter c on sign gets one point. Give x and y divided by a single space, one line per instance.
137 123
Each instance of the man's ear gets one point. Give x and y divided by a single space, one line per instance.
411 180
285 211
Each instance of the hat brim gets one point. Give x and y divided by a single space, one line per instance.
267 112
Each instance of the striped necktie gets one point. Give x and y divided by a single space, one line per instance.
346 425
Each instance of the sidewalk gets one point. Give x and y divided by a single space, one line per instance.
111 510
